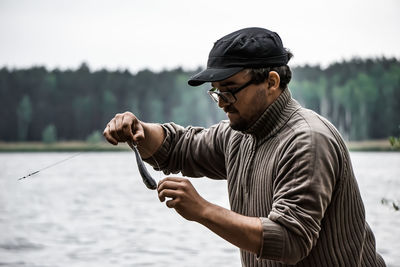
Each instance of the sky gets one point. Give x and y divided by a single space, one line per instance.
158 35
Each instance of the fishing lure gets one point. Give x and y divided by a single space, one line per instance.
146 177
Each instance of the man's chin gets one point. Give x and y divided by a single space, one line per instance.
238 125
236 122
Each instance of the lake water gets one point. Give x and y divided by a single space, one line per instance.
93 210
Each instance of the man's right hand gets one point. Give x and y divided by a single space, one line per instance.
124 127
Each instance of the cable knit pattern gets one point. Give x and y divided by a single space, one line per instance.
292 169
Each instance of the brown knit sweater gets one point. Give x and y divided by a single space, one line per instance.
291 169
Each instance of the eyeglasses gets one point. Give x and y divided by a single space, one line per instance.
228 96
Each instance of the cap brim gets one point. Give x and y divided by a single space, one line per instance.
212 75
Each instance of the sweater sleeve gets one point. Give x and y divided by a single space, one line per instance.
193 151
306 174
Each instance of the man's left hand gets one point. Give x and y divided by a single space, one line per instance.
184 197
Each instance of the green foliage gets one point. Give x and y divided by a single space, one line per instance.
24 116
360 97
394 142
95 137
49 135
109 103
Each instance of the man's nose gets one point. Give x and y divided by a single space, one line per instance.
222 103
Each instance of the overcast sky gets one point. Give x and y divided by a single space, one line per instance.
132 34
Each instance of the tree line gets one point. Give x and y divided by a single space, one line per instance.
361 97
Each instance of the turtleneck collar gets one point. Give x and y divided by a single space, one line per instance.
274 117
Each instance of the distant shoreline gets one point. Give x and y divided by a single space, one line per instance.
371 145
74 146
65 146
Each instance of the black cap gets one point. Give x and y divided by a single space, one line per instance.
245 48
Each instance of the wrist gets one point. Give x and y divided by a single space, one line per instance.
207 213
153 138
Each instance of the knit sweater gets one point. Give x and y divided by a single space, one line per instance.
291 169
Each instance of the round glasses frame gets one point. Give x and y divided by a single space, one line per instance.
228 96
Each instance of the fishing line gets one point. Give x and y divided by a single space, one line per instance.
73 156
158 165
52 165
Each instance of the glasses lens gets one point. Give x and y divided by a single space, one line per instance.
214 96
227 97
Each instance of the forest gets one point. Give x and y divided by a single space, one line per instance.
361 97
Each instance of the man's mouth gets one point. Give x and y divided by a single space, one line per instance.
230 110
232 114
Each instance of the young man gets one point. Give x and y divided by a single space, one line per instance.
293 195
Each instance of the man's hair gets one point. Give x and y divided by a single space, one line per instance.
259 75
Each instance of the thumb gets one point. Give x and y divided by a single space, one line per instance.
137 132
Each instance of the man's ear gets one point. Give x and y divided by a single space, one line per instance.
273 81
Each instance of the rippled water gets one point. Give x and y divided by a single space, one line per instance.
93 210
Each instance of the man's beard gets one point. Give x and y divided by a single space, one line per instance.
239 124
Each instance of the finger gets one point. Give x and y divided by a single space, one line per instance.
114 129
127 123
172 203
168 193
111 127
174 179
107 135
119 128
138 132
168 185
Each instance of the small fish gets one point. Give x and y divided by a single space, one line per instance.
147 179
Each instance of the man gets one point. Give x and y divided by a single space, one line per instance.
293 195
